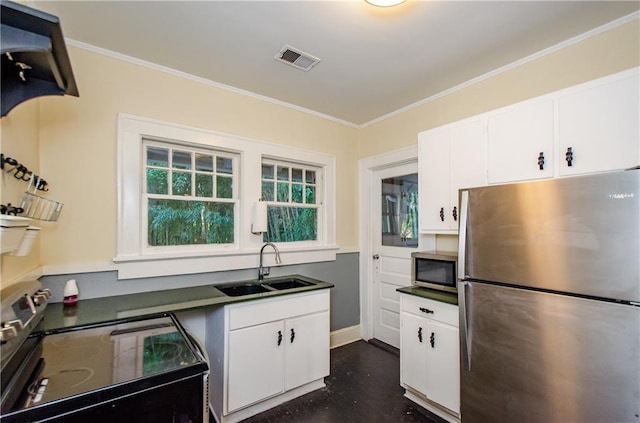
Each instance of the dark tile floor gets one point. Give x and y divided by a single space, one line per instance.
364 386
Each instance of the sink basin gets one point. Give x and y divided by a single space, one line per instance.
289 284
243 289
239 289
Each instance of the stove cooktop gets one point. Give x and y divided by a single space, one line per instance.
91 359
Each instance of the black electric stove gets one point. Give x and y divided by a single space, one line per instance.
130 370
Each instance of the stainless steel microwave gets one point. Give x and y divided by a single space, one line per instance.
435 270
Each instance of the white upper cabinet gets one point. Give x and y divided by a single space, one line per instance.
591 127
598 127
520 142
450 158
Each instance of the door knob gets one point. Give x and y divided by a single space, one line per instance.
376 256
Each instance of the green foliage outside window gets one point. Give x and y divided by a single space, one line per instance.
291 188
177 220
288 224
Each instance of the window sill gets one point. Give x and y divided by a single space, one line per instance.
134 267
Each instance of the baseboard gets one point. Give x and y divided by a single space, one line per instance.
345 336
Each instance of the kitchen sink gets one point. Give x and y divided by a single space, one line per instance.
238 290
289 284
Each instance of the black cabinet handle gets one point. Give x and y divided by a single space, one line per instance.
455 213
432 339
426 310
442 214
279 337
541 160
293 335
420 335
568 156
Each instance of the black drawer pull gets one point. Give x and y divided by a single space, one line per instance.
420 335
426 310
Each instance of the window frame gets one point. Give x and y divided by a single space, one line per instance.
318 205
145 196
133 260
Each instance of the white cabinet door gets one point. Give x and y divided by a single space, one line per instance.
433 157
307 349
468 162
599 127
443 366
450 158
520 143
413 352
256 364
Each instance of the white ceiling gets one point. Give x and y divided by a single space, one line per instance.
374 60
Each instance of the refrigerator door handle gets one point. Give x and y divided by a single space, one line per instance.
465 330
462 234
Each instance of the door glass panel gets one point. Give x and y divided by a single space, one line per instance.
400 211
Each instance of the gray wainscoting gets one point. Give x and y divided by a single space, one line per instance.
343 273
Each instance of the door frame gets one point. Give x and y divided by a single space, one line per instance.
366 170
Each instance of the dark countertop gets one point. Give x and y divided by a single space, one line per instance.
431 294
108 309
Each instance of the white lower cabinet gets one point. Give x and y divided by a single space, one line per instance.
265 352
256 365
429 355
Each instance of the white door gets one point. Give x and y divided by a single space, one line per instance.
442 362
307 349
598 128
413 352
395 237
256 364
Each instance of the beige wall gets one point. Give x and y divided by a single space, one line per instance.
604 54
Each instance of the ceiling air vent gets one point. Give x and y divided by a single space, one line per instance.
297 58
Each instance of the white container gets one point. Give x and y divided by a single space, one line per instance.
27 241
12 230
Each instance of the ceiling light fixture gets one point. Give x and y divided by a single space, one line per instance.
385 3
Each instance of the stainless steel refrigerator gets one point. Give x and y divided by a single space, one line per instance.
549 299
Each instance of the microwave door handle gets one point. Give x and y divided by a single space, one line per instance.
462 234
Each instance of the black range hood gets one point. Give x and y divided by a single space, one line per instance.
34 57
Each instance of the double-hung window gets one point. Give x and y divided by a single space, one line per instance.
189 195
186 198
293 193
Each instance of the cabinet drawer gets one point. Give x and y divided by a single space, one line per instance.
434 310
267 310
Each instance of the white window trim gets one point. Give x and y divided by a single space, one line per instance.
133 261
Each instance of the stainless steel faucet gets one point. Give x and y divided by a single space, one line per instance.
261 272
